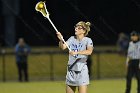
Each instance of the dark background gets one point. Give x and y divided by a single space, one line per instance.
108 18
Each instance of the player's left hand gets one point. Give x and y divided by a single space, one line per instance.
73 53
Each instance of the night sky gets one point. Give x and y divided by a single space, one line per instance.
108 18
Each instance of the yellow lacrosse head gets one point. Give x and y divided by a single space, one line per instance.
41 7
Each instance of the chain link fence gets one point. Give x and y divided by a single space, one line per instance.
52 65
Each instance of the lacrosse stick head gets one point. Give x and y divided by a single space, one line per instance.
41 7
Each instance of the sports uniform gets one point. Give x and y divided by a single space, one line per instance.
133 64
77 72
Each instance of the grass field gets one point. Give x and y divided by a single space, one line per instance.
111 65
96 86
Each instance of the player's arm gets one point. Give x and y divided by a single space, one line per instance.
61 43
127 61
128 57
17 51
88 51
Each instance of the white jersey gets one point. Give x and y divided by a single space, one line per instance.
134 50
76 45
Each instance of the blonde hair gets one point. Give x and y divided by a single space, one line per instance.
85 25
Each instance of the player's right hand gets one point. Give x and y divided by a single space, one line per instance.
127 64
59 35
73 53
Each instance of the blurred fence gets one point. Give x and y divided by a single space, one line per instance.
52 65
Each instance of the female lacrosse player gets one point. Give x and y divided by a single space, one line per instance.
81 46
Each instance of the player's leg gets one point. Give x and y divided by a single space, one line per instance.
19 71
83 80
25 68
138 80
82 89
138 76
70 89
130 73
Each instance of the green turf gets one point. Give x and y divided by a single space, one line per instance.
96 86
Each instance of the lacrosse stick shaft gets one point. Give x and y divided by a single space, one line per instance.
58 31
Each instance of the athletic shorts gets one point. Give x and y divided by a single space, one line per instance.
77 78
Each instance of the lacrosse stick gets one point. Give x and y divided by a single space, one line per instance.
41 7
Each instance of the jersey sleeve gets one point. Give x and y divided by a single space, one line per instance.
69 41
89 43
16 48
28 48
128 51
